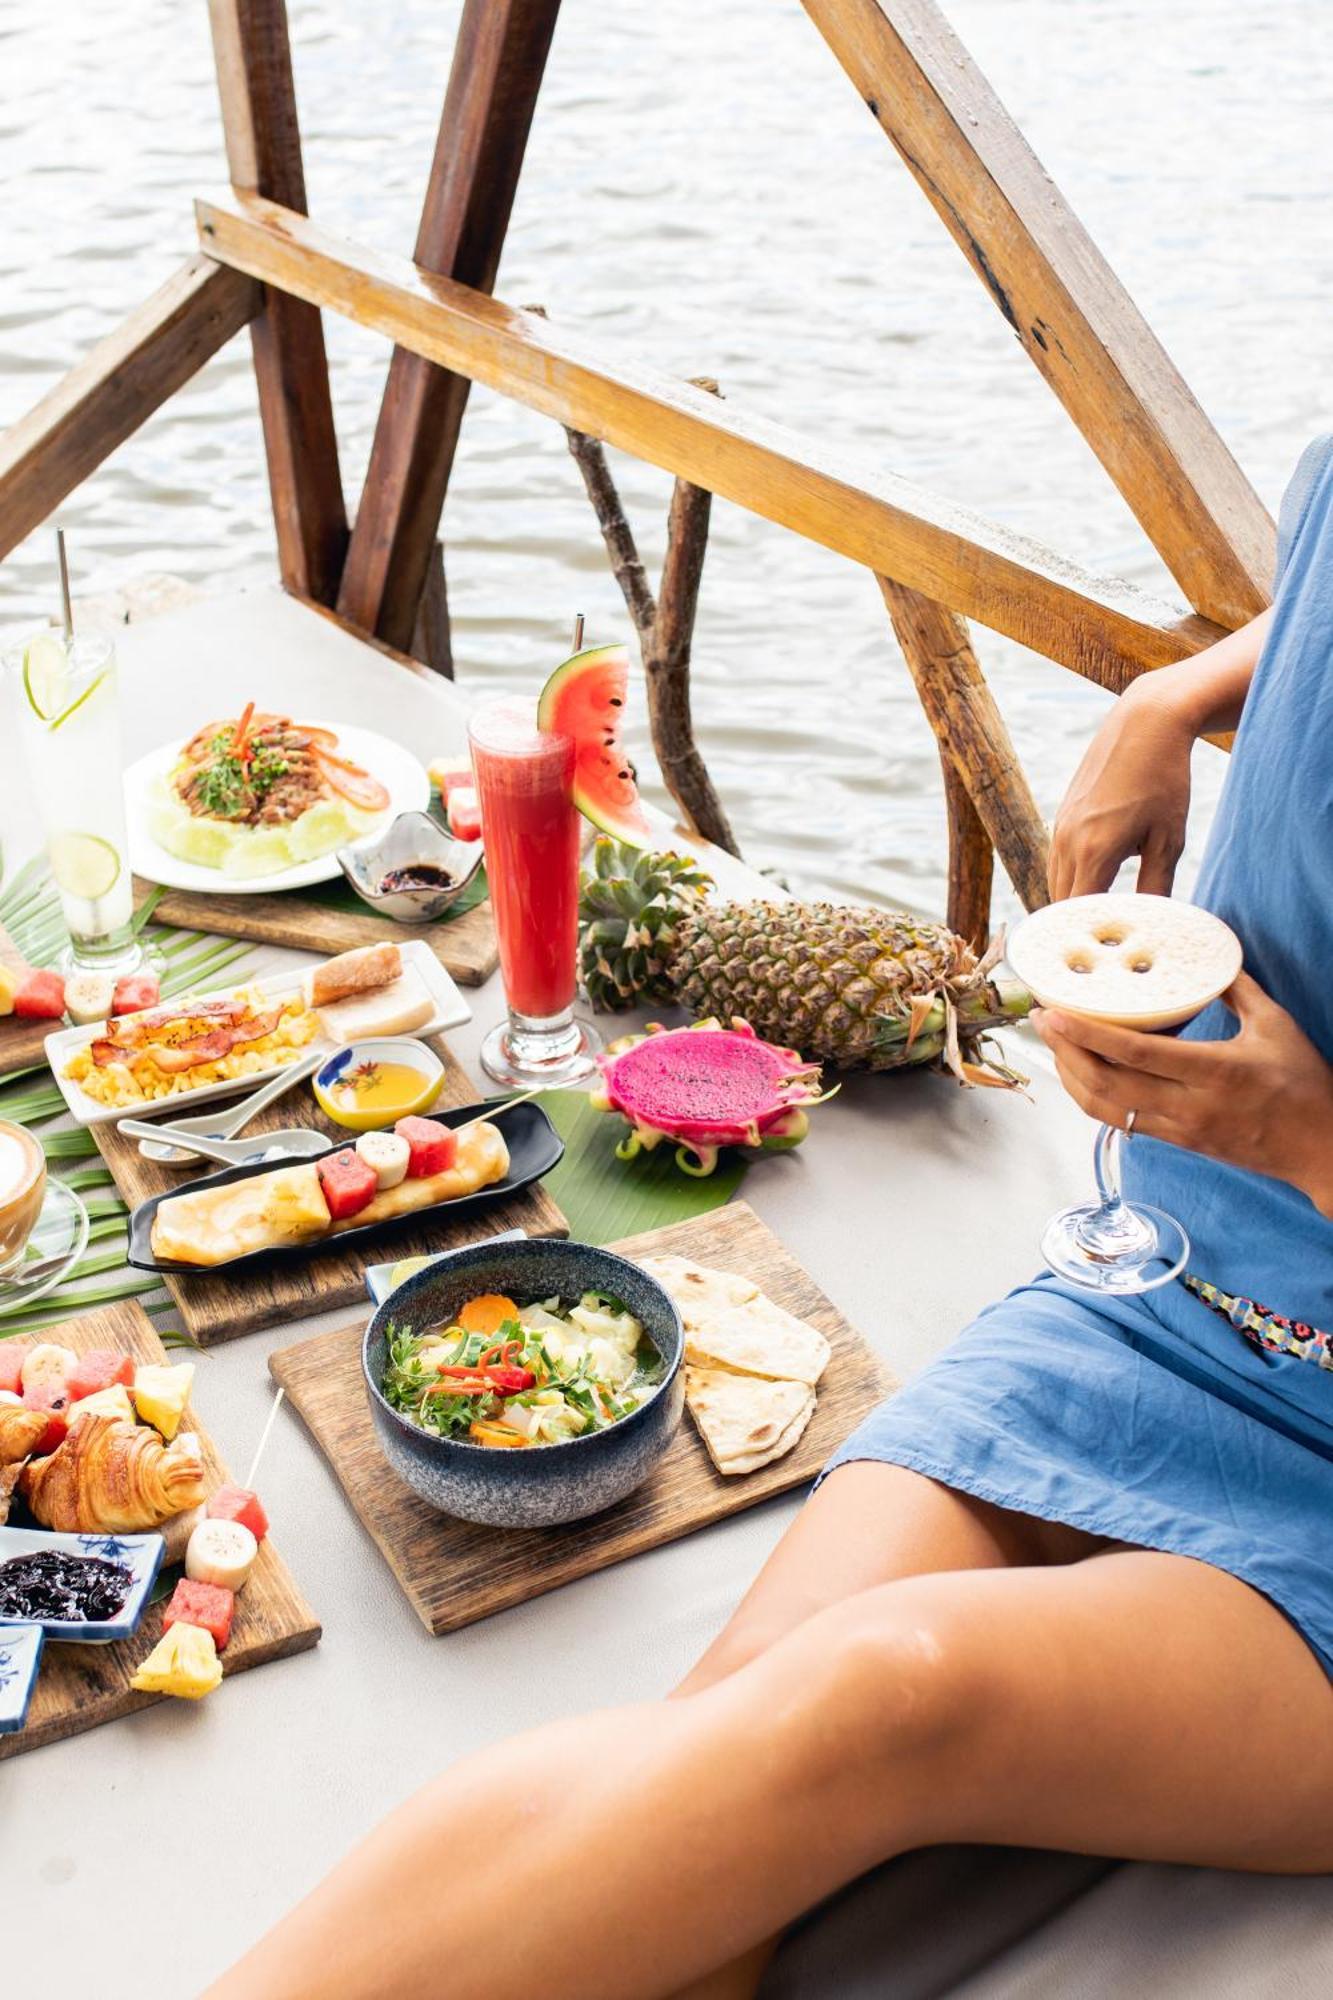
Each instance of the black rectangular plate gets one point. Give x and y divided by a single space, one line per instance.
534 1148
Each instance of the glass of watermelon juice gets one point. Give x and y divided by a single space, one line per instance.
531 828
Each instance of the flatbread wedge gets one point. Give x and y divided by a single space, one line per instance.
759 1338
699 1294
744 1420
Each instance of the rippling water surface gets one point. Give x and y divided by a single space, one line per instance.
704 189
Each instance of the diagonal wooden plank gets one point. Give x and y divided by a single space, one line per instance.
1100 626
258 93
1068 309
497 70
105 397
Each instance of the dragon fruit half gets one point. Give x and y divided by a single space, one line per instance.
706 1087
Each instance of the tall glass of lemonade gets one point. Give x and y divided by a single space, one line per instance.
530 826
65 695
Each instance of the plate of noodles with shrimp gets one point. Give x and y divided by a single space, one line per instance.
261 800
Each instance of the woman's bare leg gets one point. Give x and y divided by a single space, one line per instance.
1134 1704
868 1524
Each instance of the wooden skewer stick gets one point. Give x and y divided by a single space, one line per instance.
263 1438
66 607
491 1111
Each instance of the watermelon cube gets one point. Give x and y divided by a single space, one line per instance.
432 1148
239 1503
211 1606
54 1399
448 773
464 813
348 1184
12 1354
136 991
99 1368
40 997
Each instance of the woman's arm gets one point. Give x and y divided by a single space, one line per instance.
1131 793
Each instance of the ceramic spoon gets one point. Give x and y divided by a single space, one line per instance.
224 1123
294 1142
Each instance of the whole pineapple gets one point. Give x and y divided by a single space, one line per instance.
847 985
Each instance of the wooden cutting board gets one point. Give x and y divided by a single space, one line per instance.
455 1572
79 1687
221 1307
20 1041
465 946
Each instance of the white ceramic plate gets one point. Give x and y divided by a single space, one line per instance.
397 769
450 1009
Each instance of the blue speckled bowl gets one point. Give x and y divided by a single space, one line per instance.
550 1483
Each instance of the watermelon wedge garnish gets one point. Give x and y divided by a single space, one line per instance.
585 700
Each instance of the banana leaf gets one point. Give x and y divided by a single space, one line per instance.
606 1198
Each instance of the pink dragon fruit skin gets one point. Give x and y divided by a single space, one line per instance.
706 1087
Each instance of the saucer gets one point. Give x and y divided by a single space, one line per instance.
58 1240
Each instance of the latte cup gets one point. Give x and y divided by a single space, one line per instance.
22 1187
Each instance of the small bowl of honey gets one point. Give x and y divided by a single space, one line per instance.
373 1083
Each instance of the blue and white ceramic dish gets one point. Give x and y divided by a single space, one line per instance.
140 1554
20 1656
551 1483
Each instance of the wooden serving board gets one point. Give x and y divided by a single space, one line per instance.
219 1307
465 946
455 1572
21 1042
79 1687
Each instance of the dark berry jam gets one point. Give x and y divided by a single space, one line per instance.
415 875
50 1584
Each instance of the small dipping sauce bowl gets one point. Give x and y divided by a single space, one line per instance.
372 1083
414 871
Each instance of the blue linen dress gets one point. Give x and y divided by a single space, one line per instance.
1155 1420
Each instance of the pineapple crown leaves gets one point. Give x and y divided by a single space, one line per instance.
631 904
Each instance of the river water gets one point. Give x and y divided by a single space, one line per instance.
704 189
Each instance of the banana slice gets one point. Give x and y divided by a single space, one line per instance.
387 1155
88 997
221 1552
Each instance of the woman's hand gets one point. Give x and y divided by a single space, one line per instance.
1262 1100
1130 795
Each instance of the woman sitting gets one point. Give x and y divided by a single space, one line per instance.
1073 1587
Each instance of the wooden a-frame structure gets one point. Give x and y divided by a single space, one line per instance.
265 263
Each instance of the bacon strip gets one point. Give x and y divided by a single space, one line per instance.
173 1058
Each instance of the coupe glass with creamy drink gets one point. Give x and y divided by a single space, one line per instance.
1144 962
43 1224
64 695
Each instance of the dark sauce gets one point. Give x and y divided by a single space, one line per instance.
415 875
51 1584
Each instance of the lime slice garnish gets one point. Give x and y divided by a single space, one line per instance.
46 680
45 675
405 1268
84 865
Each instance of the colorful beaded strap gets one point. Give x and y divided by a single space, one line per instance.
1264 1328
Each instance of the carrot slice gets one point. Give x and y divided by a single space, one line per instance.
494 1434
487 1314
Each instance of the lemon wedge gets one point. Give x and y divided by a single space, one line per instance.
46 680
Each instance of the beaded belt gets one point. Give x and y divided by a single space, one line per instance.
1264 1328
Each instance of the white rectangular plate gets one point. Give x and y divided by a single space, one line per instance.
451 1009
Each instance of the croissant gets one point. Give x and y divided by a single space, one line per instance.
110 1476
19 1431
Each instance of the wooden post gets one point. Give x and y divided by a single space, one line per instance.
665 626
254 66
971 861
971 733
497 70
1072 315
432 635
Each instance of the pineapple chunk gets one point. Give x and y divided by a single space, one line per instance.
111 1402
184 1662
10 981
160 1394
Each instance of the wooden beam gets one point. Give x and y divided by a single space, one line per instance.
1070 312
105 397
255 83
1101 627
970 730
499 59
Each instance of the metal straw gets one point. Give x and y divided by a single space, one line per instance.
577 646
66 608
